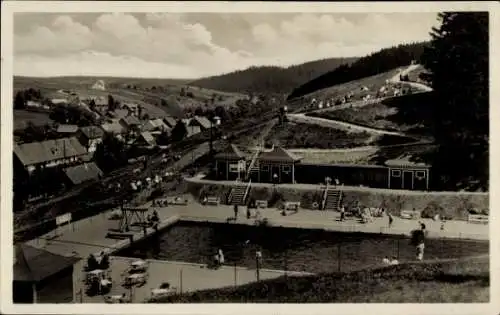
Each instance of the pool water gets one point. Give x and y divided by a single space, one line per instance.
289 248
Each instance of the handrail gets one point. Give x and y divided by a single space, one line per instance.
325 196
252 163
247 190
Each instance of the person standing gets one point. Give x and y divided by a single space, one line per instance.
248 212
221 257
342 213
391 219
235 208
258 258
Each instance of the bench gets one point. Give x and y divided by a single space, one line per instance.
261 204
213 201
292 205
407 214
478 218
177 202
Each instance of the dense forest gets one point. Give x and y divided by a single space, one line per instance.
457 60
270 79
381 61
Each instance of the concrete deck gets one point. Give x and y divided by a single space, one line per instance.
185 277
89 236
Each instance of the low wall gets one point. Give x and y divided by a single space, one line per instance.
454 205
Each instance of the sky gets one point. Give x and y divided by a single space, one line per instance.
193 45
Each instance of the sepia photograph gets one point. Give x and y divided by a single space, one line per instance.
234 156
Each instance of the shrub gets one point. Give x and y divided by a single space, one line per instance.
432 209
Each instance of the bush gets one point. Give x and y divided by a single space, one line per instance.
432 209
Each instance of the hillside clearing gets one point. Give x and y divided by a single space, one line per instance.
409 113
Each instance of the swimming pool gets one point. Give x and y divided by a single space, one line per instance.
289 248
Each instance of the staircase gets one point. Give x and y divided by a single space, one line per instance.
333 198
254 164
238 194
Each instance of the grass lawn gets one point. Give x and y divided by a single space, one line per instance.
461 281
410 113
303 135
22 117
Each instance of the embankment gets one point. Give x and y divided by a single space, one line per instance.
454 205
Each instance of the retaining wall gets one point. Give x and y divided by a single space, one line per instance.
454 205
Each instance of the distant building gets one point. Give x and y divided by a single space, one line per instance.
200 121
59 101
170 121
146 139
155 125
67 129
99 85
42 277
82 173
193 130
50 153
114 127
90 137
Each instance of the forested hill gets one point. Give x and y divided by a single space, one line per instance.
270 79
381 61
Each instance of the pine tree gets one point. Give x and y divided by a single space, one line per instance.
458 62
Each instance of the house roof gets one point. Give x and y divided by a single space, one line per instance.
82 173
113 127
59 101
278 154
186 121
92 132
119 113
231 151
33 264
67 128
130 120
155 124
50 150
203 121
169 120
405 162
148 138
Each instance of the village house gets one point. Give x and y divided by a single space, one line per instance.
155 125
114 127
47 154
192 130
91 137
146 139
200 121
130 123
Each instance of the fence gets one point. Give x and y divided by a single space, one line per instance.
348 254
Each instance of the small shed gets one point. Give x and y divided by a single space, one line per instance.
41 276
406 174
230 163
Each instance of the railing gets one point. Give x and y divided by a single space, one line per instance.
325 196
252 163
247 190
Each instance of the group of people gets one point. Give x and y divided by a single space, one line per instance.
218 258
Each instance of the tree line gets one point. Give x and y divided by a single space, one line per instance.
376 63
270 79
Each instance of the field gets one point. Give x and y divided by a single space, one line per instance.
406 113
373 83
22 117
459 281
303 135
146 92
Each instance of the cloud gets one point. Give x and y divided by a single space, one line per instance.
153 44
